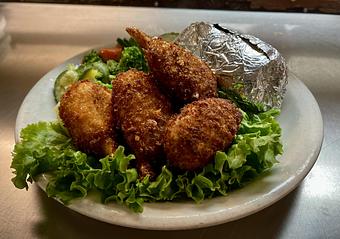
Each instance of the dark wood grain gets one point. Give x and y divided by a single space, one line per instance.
315 6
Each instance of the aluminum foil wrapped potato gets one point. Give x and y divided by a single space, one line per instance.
255 67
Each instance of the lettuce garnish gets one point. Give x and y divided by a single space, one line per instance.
46 147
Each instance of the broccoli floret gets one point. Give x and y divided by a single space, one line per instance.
91 57
113 67
132 57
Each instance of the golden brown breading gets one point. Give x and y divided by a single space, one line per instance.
86 111
202 128
142 112
179 73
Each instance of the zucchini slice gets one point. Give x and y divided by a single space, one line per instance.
63 81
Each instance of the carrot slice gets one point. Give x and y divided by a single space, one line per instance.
111 53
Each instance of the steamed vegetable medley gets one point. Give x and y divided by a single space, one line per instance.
103 66
189 166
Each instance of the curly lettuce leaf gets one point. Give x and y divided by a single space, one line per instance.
254 151
41 147
47 148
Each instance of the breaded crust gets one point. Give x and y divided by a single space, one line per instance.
86 111
142 112
180 74
199 130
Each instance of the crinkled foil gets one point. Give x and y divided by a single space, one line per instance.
239 58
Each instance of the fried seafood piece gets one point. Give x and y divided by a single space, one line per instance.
178 72
86 111
142 112
199 130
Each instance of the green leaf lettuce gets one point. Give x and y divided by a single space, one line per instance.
46 147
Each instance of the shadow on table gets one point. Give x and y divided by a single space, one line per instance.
61 222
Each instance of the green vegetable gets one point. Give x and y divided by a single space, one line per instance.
63 81
93 68
113 67
104 70
127 42
40 149
95 71
241 101
91 74
47 148
132 57
107 85
91 57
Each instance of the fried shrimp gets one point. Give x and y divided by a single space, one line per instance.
183 76
86 111
142 112
199 130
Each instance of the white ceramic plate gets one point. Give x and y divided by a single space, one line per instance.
302 137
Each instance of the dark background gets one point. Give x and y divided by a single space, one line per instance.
314 6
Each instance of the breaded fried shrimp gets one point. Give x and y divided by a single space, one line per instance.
199 130
86 111
142 112
183 76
